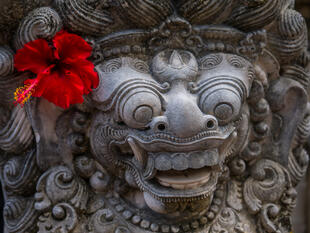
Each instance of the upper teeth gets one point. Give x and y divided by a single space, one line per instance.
164 161
181 161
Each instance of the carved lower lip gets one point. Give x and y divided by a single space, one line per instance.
171 194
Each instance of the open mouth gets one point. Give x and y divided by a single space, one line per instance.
170 169
173 176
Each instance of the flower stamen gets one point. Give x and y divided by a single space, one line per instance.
23 94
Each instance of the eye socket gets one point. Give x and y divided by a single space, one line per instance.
138 107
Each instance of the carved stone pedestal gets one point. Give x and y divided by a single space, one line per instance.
197 125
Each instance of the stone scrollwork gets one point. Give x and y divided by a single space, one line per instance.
63 218
58 185
266 185
198 123
20 215
59 198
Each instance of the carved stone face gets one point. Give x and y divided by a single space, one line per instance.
211 135
171 122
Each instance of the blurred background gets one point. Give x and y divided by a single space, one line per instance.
301 217
303 6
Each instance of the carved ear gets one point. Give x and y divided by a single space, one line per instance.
288 100
269 64
59 133
43 116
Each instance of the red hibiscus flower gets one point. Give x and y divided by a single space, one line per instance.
63 72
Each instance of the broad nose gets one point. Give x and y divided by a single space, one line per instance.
182 116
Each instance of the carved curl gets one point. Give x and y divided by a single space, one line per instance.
204 11
6 61
79 16
16 136
152 12
43 22
63 218
266 184
20 215
291 38
253 15
57 185
21 174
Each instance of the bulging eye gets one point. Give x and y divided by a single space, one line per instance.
138 107
143 114
222 100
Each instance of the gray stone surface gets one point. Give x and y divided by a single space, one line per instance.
198 125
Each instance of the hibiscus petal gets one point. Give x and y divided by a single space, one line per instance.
62 90
85 70
34 56
70 46
41 86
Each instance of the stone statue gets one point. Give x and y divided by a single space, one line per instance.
198 123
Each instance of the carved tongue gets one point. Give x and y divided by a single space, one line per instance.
184 180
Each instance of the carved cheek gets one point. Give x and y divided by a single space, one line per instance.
138 107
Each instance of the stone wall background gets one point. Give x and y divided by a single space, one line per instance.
303 6
301 217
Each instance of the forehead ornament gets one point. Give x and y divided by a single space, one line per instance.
173 64
177 33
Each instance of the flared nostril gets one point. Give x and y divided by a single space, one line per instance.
211 122
160 124
161 127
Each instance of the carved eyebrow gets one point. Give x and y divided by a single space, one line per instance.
129 85
210 61
219 80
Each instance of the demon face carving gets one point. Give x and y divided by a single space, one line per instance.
171 122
